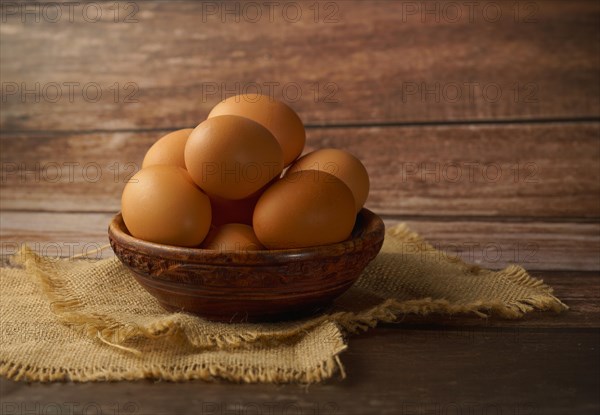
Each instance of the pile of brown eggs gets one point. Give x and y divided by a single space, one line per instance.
222 185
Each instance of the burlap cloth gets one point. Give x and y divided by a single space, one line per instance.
88 320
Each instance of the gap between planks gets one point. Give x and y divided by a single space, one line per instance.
440 123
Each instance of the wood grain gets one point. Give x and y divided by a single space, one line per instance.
416 371
355 62
492 244
367 65
534 245
530 170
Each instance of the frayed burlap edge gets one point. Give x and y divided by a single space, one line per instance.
175 374
209 371
67 308
238 374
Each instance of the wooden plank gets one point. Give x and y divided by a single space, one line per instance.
528 170
536 246
561 246
388 372
58 235
342 62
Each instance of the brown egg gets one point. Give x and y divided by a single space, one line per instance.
342 165
279 118
168 149
232 237
235 211
162 204
232 157
306 208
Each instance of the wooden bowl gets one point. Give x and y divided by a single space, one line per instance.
253 285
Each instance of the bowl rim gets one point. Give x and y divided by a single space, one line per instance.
369 229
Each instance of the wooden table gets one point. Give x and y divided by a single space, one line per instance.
479 125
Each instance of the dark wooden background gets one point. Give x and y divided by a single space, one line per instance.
509 171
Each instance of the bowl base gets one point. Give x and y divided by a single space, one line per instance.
244 317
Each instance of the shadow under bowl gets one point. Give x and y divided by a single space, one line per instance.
252 286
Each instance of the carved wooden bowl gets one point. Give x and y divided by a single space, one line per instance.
253 285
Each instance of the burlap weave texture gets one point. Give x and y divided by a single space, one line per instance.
90 320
